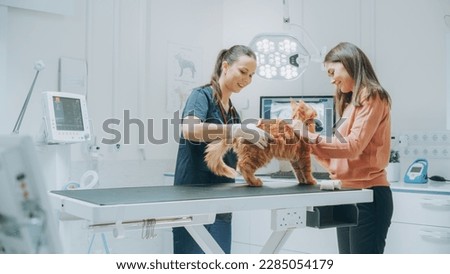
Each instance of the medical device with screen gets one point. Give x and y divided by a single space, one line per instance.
65 117
279 107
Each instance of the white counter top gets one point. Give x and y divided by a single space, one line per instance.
431 187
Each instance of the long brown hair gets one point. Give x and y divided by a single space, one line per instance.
360 69
230 55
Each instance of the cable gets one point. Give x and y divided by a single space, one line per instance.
438 178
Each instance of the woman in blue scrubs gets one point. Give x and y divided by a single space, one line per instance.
209 115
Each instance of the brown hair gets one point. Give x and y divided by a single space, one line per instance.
360 69
230 55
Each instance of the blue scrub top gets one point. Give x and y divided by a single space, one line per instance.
191 167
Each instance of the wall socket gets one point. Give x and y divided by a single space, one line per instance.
428 137
425 144
288 218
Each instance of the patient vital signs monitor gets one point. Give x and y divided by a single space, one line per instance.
279 107
66 117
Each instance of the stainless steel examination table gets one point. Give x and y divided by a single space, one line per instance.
148 208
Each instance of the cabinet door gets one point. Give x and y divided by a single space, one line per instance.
425 209
409 238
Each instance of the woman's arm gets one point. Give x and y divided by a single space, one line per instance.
195 130
366 123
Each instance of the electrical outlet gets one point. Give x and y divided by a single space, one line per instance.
444 137
403 140
435 137
435 152
288 218
425 144
406 152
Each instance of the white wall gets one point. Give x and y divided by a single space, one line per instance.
125 44
29 36
415 38
405 41
129 62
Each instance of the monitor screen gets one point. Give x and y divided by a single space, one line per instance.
279 107
66 117
68 113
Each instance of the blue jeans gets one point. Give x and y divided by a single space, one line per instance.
220 230
374 219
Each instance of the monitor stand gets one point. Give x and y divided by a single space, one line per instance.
286 172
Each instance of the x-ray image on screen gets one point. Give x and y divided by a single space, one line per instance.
279 107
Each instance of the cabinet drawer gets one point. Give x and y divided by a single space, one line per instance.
427 209
409 238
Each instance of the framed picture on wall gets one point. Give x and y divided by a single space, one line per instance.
183 74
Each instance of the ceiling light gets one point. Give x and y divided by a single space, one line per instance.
280 56
283 56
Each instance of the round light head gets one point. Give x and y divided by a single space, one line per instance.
279 56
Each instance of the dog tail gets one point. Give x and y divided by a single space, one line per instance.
214 159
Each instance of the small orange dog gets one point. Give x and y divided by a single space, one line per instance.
285 145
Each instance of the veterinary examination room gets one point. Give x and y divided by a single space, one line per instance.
225 126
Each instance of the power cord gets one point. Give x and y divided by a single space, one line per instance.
438 178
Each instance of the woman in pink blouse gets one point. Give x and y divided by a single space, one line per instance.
358 152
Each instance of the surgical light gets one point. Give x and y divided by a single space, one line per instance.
280 56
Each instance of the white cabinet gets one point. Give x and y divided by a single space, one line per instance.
422 239
421 220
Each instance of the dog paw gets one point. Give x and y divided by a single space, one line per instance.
256 182
308 182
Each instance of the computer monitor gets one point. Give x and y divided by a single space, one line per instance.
279 107
66 117
27 222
